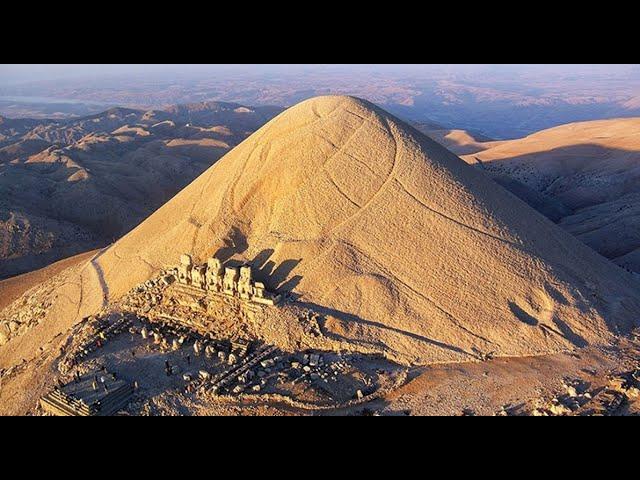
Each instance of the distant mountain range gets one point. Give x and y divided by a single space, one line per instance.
501 101
584 176
67 186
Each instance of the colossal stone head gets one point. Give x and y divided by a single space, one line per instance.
214 264
245 273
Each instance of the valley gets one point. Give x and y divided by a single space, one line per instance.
75 185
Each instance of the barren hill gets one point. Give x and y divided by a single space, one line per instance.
591 170
460 142
71 186
402 247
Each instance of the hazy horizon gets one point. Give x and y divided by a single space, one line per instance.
15 73
498 100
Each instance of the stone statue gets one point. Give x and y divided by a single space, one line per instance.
245 287
215 275
230 286
215 278
198 276
184 269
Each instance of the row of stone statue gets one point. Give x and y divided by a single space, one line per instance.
232 281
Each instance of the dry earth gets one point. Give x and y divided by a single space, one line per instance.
402 250
585 176
69 186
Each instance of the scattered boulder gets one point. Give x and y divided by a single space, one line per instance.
4 328
571 391
502 412
558 409
617 384
267 363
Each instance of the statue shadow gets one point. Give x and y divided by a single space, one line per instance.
261 264
260 260
275 277
282 272
236 243
353 319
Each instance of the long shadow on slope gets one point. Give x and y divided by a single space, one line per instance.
521 315
569 334
565 330
275 276
261 259
350 318
282 271
262 266
568 164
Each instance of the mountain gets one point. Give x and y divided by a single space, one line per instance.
74 185
460 142
215 112
403 249
10 127
589 171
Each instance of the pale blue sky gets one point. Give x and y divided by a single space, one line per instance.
12 73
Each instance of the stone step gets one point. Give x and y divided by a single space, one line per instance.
58 403
55 406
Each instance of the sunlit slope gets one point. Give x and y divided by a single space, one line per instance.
392 237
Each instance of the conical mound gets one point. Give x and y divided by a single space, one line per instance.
398 243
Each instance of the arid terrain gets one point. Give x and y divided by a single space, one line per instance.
500 101
584 176
407 281
68 186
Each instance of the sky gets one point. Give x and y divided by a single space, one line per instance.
18 73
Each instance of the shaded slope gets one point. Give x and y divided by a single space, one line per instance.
71 186
590 168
